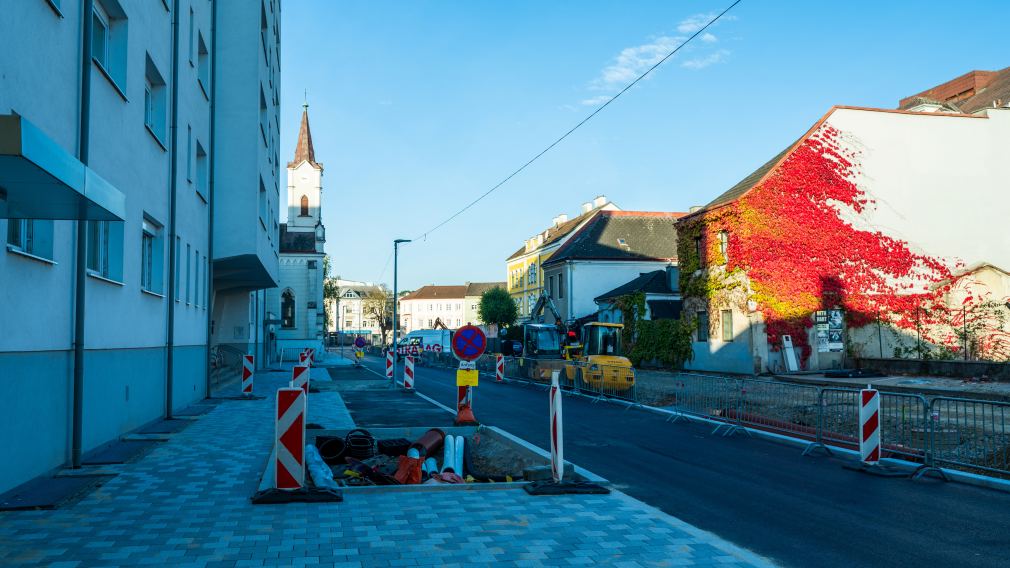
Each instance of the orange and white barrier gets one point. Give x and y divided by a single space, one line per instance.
869 426
289 440
306 357
248 369
408 373
389 364
499 368
557 436
300 378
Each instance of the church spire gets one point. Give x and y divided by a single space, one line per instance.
303 150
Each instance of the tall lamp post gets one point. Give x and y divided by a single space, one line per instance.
396 323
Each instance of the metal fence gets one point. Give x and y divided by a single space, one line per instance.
965 434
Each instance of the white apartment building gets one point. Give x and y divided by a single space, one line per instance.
351 314
106 197
421 308
247 180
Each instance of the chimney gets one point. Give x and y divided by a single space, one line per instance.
600 201
561 218
587 207
694 208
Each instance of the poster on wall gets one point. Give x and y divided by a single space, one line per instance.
821 329
835 339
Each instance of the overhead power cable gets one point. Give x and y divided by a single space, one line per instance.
425 234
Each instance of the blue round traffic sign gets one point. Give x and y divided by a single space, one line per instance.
469 343
359 342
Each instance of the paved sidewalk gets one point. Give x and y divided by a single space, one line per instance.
187 504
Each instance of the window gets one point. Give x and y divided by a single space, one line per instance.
702 326
727 325
178 269
189 274
206 280
192 29
196 278
288 309
429 323
263 203
108 41
264 126
151 264
155 104
305 206
30 236
105 249
202 171
203 64
561 286
697 250
724 245
347 324
533 273
189 153
550 286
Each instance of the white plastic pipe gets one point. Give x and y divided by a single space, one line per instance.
449 455
429 466
458 460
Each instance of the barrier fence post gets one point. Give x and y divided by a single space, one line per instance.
869 426
932 423
818 443
300 378
248 369
557 431
499 368
408 373
389 365
289 439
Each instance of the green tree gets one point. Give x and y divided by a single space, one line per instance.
497 307
330 291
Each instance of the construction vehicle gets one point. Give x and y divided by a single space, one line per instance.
601 365
593 361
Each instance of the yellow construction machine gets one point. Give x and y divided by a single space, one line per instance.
600 365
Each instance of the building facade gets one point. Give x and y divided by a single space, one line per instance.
110 289
298 299
524 267
471 300
421 308
247 185
608 250
886 214
357 310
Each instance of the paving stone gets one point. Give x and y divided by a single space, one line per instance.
186 503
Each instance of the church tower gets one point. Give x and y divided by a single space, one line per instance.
305 185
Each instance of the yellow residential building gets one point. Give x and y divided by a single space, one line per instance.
524 268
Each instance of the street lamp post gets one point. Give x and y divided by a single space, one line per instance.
396 324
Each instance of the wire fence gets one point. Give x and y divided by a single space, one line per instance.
958 433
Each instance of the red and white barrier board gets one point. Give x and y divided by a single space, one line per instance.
389 364
312 355
248 369
408 373
289 440
557 436
499 368
306 357
300 378
869 426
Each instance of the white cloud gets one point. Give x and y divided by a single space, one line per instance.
708 38
694 23
596 101
705 61
632 61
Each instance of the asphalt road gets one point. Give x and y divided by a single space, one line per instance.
763 495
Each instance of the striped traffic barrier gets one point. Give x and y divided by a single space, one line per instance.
499 368
300 378
557 435
389 364
312 356
869 426
289 439
248 369
408 373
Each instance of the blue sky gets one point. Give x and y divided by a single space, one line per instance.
417 107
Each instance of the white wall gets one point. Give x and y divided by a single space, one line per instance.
585 280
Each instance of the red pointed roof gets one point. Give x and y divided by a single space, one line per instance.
303 150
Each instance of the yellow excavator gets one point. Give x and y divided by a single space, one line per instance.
595 361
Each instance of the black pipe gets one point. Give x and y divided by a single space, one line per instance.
81 255
210 190
172 237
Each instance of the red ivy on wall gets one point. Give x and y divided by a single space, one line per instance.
800 253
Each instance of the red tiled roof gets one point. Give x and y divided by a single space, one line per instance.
436 293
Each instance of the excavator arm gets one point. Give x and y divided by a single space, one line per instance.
545 301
